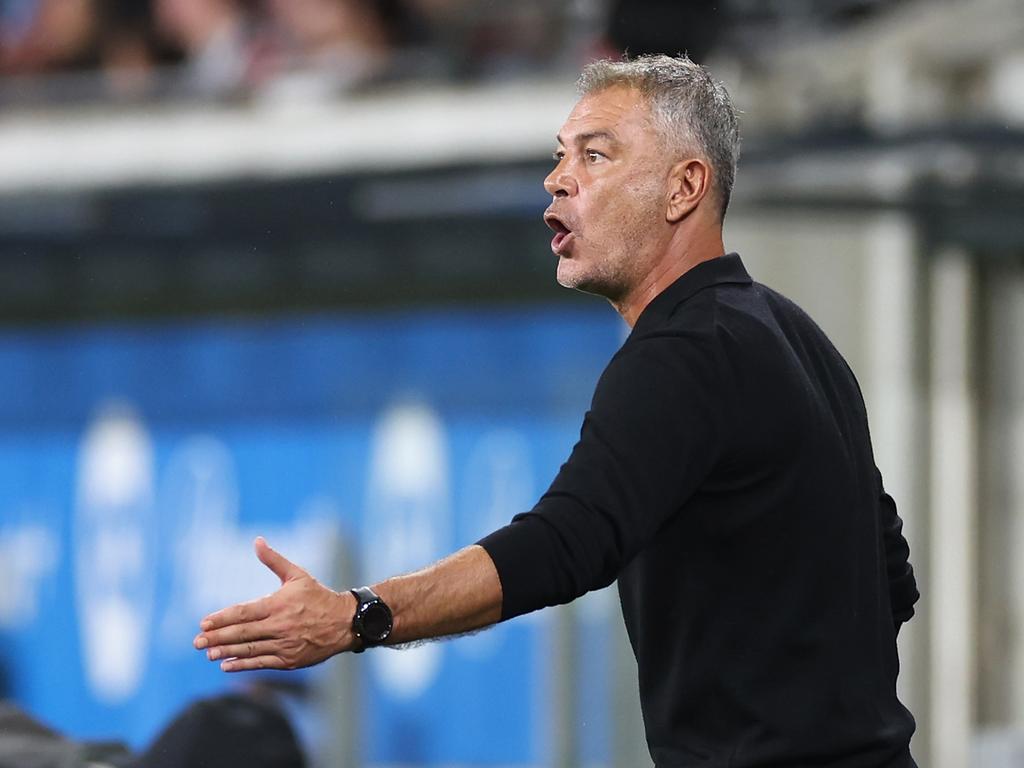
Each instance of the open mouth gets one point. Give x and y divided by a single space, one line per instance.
563 235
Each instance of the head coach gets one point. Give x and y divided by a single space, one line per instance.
724 475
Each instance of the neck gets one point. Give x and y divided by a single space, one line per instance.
682 253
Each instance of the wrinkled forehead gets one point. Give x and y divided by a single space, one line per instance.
619 111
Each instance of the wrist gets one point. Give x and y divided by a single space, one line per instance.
345 638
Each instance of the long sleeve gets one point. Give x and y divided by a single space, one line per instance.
652 434
724 477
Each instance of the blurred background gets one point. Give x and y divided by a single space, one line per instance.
277 267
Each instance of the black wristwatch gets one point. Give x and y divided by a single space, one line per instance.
372 621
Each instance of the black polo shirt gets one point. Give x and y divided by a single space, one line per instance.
724 475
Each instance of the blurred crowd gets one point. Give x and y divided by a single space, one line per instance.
237 48
79 50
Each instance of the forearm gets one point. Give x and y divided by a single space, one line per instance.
458 594
304 622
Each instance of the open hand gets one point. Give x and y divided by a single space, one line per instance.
301 624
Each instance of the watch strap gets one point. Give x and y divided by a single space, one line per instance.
364 596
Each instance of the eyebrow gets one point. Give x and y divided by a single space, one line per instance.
582 138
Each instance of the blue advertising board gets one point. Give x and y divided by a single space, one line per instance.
138 462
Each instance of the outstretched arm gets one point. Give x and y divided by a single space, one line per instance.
304 622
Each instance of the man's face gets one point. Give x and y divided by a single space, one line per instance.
609 191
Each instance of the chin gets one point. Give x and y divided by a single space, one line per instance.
572 274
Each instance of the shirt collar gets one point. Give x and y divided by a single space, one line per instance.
719 271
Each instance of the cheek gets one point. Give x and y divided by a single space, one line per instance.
622 219
604 214
623 200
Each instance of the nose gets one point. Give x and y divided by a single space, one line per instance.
560 183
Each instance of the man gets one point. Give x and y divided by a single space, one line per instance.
723 475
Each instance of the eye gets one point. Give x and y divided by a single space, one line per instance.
593 156
557 155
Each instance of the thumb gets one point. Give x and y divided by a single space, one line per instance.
284 568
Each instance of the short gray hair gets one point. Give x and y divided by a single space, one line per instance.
691 110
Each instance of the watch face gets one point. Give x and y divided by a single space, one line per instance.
376 621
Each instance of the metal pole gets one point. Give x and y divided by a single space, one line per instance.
629 742
564 677
339 691
954 514
1013 294
891 310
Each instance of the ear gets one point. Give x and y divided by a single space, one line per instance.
689 183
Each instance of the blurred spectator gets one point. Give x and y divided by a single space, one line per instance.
231 731
61 35
129 49
665 26
215 38
280 49
27 743
330 46
524 37
116 37
494 40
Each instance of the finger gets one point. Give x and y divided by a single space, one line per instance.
248 650
254 610
236 633
284 568
257 662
